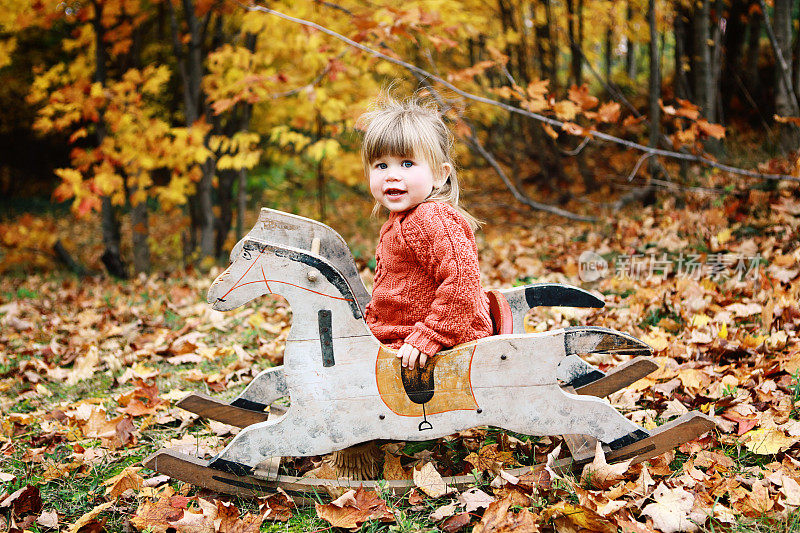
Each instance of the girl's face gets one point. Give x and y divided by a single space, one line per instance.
401 183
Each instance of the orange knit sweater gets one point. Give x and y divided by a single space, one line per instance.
427 290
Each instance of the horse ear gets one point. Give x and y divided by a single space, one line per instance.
263 215
236 250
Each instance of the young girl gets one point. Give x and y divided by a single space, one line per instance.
427 294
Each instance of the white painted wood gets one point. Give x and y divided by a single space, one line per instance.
294 231
337 406
197 471
519 308
266 387
571 367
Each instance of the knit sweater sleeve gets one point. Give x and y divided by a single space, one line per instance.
444 244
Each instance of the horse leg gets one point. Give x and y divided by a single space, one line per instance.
557 413
266 387
300 432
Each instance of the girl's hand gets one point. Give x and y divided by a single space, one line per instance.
409 355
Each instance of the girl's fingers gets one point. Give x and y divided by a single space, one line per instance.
409 356
406 355
412 360
412 357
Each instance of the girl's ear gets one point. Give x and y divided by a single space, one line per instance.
447 168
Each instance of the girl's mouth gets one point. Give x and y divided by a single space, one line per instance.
394 193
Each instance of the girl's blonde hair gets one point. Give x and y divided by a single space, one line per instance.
409 128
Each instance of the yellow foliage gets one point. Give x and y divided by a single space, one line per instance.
565 110
302 88
347 168
7 47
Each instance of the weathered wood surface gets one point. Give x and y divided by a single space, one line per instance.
222 412
335 365
209 407
279 227
512 378
638 366
249 406
581 447
197 471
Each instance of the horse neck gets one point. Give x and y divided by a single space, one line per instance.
300 232
311 315
315 291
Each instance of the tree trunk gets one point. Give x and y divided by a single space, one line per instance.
190 65
701 69
241 202
654 112
523 61
508 24
206 209
141 230
714 146
753 53
575 62
241 193
785 102
734 43
680 80
112 257
796 63
539 43
553 46
579 44
225 201
545 44
608 52
630 53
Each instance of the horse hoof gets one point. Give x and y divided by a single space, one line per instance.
628 439
231 467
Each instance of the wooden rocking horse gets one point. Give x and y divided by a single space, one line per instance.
509 307
346 388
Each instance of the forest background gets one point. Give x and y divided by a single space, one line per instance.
138 138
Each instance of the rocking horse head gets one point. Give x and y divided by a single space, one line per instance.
288 230
308 281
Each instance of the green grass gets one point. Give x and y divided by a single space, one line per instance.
77 492
657 314
763 524
304 519
795 388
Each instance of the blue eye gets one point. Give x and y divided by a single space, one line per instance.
407 163
381 166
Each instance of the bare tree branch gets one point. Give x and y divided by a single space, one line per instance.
520 111
638 164
785 70
476 145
